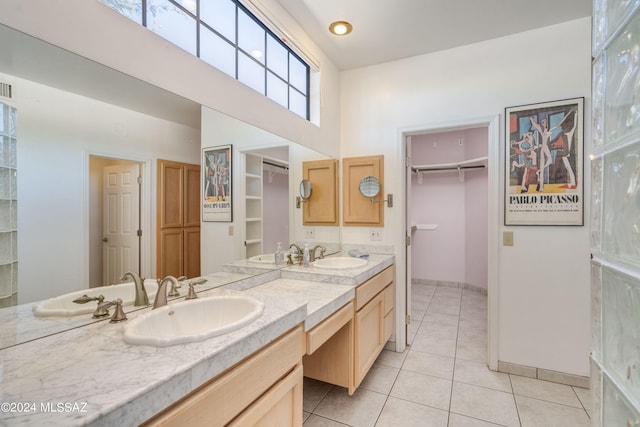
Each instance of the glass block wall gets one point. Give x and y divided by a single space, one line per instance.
8 208
615 207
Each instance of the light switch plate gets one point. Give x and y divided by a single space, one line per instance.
507 238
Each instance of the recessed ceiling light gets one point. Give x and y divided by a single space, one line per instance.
340 28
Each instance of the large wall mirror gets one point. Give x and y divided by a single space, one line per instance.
75 118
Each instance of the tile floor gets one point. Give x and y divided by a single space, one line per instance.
442 380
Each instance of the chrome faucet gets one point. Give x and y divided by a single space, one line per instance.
142 299
161 294
297 255
312 255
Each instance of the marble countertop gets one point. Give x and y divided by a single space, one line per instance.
90 376
321 299
350 277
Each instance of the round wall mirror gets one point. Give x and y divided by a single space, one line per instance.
305 189
369 186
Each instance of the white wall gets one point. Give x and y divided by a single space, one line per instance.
57 131
543 280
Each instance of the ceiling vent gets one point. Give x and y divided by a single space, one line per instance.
5 90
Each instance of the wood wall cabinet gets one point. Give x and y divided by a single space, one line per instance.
178 216
356 208
322 207
265 389
345 357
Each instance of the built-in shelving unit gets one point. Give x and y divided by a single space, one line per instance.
253 205
8 207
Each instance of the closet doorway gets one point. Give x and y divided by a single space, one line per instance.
449 209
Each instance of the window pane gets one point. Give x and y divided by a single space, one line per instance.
132 9
297 103
190 5
297 74
250 73
221 16
217 52
250 36
169 22
277 89
277 57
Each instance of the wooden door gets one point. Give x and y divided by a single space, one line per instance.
121 221
178 248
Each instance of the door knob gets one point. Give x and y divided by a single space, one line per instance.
104 239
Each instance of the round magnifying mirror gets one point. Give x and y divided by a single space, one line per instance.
369 186
305 189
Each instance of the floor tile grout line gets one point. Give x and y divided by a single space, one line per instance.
455 354
581 402
515 402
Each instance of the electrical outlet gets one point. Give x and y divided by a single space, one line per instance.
310 233
374 235
460 141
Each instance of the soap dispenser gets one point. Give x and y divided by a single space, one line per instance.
306 255
279 255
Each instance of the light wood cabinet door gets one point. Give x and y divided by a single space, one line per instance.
280 406
191 200
322 207
178 232
170 252
191 245
356 208
170 194
369 336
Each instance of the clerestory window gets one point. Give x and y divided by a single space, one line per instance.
226 35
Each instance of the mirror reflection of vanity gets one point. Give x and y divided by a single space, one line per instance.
70 110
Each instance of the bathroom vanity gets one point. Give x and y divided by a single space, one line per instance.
250 375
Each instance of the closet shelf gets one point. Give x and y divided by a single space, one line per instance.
477 163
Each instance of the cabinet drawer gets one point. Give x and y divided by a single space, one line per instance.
373 286
325 330
223 398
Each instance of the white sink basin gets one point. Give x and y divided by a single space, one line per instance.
263 259
63 305
340 263
192 321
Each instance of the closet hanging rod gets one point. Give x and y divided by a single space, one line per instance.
476 163
448 168
266 162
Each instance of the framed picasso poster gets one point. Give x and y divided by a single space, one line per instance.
217 201
544 163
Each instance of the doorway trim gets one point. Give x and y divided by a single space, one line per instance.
147 198
492 123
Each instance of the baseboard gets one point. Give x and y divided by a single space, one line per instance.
446 283
544 374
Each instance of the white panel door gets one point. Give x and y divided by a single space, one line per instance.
121 207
